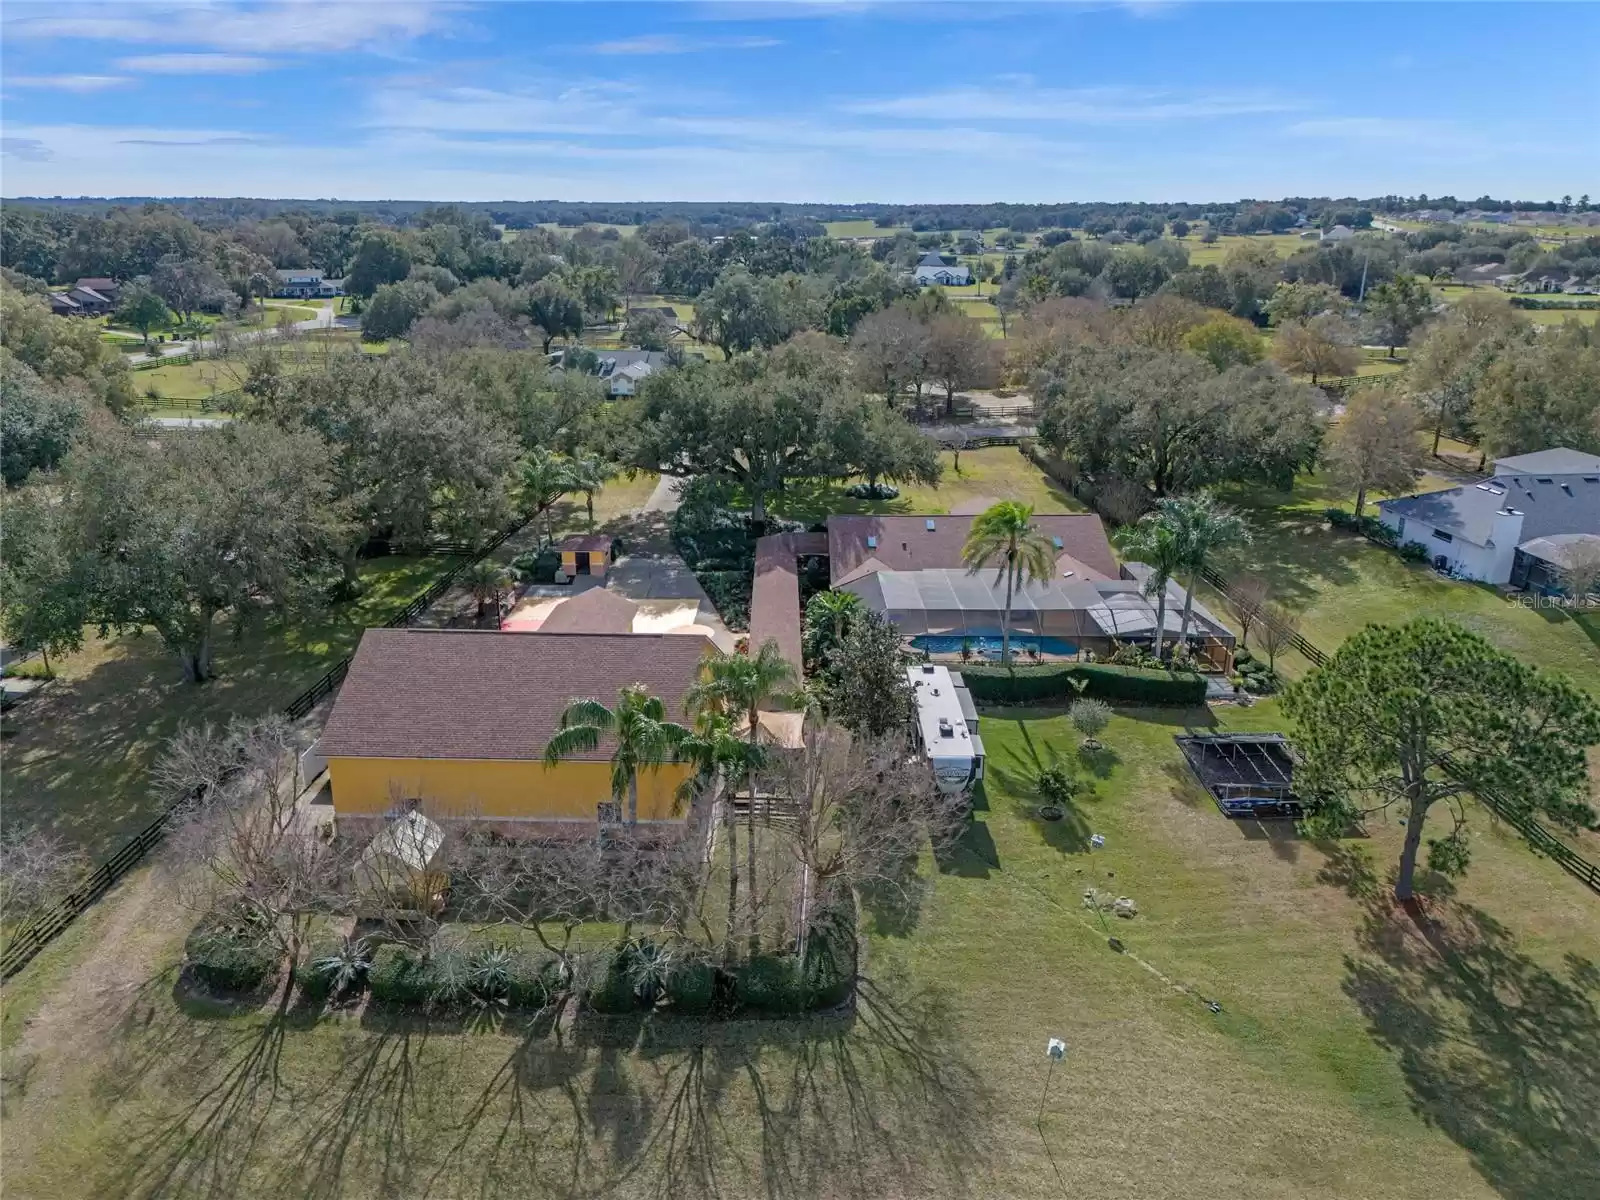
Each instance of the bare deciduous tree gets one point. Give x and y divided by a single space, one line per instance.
239 840
36 870
1279 628
861 808
1245 598
1580 577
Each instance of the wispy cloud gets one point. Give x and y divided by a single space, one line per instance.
672 43
1019 98
196 64
67 83
25 148
280 25
1415 133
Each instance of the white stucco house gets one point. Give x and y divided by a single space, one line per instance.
1515 527
307 283
931 270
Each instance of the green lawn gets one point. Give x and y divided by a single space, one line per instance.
1352 1056
76 754
861 228
1340 583
1202 253
995 473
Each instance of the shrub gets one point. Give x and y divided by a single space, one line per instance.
769 983
611 988
1339 519
1055 785
692 988
872 491
1242 655
531 982
729 593
398 976
489 975
537 568
830 966
1414 552
993 683
229 960
334 968
1090 717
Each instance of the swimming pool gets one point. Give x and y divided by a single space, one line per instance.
987 645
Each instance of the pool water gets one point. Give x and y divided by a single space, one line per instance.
988 645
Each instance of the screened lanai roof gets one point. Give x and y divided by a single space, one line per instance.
954 601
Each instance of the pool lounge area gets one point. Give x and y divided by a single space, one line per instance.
987 645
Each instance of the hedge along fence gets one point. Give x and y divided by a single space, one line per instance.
35 934
996 684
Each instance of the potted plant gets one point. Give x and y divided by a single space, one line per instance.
1090 717
1056 787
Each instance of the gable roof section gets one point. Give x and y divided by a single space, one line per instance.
597 610
1557 461
907 544
470 694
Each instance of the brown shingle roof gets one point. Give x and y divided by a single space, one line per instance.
426 693
907 544
598 610
775 594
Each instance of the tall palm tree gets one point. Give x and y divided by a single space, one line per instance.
1204 527
1004 536
589 473
740 687
715 749
1154 541
645 739
546 477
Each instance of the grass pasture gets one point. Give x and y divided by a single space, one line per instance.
1202 253
1356 1050
76 754
864 227
993 473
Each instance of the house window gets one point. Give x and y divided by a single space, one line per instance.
609 812
1443 536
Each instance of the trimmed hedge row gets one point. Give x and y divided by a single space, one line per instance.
1053 681
229 960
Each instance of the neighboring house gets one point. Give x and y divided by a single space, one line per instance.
454 723
90 302
63 305
1500 530
931 270
306 283
107 287
1339 233
622 371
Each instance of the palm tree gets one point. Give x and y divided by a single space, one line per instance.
715 749
830 611
1204 526
546 477
740 687
1004 536
589 473
1154 541
486 581
646 740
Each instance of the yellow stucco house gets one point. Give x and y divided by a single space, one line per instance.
456 722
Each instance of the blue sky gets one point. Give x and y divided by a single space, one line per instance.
841 102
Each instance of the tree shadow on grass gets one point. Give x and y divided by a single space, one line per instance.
1500 1052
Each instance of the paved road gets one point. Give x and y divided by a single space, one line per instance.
325 319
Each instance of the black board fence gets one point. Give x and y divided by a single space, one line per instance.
36 933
